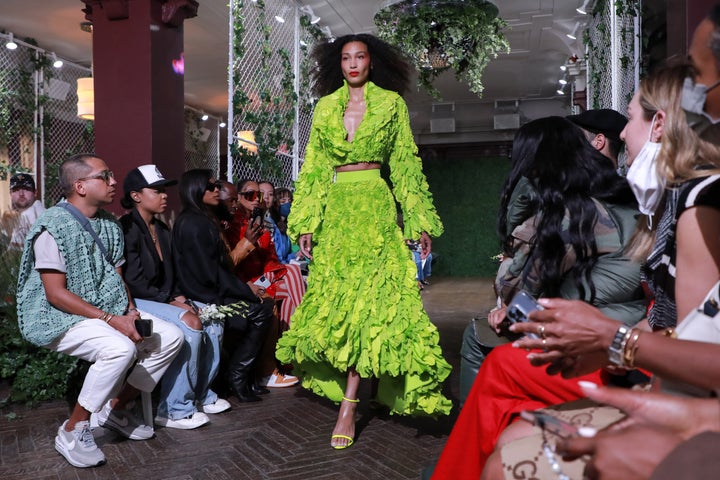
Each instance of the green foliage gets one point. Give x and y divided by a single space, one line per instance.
466 192
268 113
442 35
33 373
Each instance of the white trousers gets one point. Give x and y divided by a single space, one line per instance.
112 354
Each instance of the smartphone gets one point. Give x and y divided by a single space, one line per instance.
262 282
520 307
144 327
550 423
257 213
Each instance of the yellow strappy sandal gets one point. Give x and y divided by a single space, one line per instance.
350 440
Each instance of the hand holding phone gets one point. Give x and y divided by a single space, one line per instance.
520 307
257 216
556 425
144 327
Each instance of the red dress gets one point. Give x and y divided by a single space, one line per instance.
505 385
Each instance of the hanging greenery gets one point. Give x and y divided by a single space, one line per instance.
311 34
265 110
437 35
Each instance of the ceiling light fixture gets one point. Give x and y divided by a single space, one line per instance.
222 124
11 45
571 36
563 81
563 67
560 91
57 63
204 116
582 10
279 19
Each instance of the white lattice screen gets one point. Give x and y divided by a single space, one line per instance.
296 40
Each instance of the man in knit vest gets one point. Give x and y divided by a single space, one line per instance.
72 299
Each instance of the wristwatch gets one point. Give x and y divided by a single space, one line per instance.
615 351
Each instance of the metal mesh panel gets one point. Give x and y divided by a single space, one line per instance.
202 141
38 116
252 79
613 57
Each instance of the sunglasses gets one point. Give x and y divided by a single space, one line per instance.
252 195
212 186
105 176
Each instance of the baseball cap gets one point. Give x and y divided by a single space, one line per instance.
606 121
22 180
145 176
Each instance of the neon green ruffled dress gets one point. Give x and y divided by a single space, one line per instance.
362 307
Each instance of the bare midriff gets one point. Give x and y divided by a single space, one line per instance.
354 167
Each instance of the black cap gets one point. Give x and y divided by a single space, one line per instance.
22 180
606 121
145 176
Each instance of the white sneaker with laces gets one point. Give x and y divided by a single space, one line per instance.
125 423
78 446
220 405
279 380
198 419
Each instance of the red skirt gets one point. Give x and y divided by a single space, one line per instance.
505 385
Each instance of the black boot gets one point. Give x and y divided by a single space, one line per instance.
253 326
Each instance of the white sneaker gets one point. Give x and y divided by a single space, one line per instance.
220 405
198 419
78 446
279 380
125 423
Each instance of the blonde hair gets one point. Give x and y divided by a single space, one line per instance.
682 152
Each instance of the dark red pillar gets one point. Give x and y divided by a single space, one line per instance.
139 96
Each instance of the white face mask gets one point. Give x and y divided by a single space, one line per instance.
643 177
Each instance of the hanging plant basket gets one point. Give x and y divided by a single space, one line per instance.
437 35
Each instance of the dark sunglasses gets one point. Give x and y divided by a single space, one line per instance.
212 186
252 195
105 176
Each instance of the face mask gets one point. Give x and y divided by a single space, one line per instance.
285 209
644 180
693 100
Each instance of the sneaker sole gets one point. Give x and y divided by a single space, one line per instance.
60 448
123 434
213 411
282 385
167 423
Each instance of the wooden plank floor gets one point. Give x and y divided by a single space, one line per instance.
286 436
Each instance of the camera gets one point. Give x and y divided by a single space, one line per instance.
257 213
551 423
520 307
144 327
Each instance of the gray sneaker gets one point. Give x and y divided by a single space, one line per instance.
125 423
78 447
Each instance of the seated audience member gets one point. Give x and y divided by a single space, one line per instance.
72 299
615 281
149 274
423 260
25 209
257 264
571 247
602 129
276 224
284 197
204 270
682 264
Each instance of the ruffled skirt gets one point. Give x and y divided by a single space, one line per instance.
363 309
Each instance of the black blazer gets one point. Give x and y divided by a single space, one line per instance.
146 276
203 267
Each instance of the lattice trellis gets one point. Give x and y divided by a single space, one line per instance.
39 126
296 40
613 41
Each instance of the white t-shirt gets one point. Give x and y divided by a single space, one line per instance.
48 256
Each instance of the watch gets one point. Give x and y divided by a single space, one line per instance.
615 351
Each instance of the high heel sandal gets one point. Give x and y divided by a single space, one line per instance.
350 440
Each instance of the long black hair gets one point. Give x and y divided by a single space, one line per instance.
566 173
193 185
389 67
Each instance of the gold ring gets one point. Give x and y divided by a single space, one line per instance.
541 331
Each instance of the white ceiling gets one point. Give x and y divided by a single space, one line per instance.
537 34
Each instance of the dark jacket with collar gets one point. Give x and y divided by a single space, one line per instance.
203 267
148 277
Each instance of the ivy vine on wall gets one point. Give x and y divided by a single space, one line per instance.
270 114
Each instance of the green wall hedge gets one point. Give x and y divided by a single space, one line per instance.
466 190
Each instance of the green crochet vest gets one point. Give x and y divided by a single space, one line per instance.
89 275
